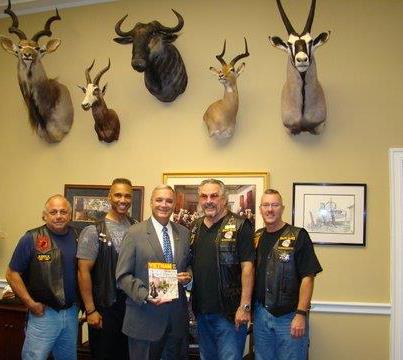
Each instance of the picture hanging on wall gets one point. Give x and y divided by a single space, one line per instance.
90 203
333 214
244 192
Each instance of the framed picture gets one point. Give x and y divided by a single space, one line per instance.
244 192
90 203
331 213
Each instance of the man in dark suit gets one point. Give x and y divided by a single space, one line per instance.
154 326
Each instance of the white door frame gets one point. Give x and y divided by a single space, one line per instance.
396 252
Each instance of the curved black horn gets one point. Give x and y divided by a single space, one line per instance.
311 15
286 22
240 56
87 72
103 71
119 31
13 29
175 28
46 31
220 56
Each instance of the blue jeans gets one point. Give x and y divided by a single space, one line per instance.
272 337
219 339
54 332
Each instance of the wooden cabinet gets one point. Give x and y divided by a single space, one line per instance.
12 324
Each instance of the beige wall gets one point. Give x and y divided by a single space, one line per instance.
360 69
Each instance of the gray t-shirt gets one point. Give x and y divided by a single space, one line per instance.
88 243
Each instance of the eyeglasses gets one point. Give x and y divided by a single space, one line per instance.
61 212
213 196
273 206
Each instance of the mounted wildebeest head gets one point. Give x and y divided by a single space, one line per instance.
107 125
154 54
48 102
303 104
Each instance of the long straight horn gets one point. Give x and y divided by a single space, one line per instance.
103 71
87 73
240 56
311 15
220 56
175 28
13 29
46 31
286 22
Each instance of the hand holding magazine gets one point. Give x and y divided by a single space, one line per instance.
163 282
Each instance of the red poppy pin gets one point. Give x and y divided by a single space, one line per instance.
42 243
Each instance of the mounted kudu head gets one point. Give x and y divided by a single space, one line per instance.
107 124
299 46
154 54
49 102
29 51
220 117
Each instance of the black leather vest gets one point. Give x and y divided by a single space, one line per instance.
228 264
103 273
45 274
282 283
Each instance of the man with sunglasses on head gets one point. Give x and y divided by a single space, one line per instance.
222 263
42 273
286 266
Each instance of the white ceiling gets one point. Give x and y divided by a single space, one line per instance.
21 7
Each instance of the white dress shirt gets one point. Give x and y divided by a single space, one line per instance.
158 229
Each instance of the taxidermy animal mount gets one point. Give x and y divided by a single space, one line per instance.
107 123
154 54
220 117
303 104
49 102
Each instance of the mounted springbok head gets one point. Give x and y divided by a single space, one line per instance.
107 123
154 54
220 117
303 104
49 102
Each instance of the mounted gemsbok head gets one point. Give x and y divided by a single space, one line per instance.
49 102
220 117
154 54
107 124
303 104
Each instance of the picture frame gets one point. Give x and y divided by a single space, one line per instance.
245 190
90 203
333 214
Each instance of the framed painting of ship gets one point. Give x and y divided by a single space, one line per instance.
333 214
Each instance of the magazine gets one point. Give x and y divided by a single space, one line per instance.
163 281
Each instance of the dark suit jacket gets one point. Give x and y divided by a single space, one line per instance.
145 321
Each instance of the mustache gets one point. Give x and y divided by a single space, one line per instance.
210 206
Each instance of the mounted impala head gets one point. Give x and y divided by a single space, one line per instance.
107 124
154 54
92 91
49 102
299 46
220 117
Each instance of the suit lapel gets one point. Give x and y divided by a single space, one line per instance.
152 238
177 243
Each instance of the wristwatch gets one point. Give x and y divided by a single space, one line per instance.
301 312
246 307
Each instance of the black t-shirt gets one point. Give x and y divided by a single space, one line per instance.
306 262
205 288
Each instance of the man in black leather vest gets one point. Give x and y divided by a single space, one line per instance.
97 254
42 272
286 265
222 264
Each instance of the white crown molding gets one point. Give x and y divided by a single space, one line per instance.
24 7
